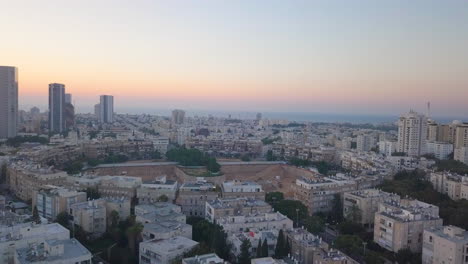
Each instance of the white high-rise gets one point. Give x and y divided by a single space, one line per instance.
412 133
8 101
106 109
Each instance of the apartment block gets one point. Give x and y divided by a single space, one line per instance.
239 189
304 245
91 216
159 212
400 225
164 251
258 221
223 207
150 192
318 193
211 258
445 244
194 195
365 203
441 150
454 185
52 200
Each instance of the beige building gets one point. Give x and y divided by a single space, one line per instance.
193 197
445 245
412 134
223 207
363 204
119 186
150 192
52 200
239 189
332 256
461 143
400 225
90 215
25 180
120 205
259 221
304 245
454 185
318 193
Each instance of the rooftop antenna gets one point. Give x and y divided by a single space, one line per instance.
428 109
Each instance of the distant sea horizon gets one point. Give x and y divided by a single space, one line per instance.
297 116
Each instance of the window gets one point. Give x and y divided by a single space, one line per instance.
430 239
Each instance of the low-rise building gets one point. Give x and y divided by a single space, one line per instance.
54 252
194 195
159 212
119 186
165 230
90 216
363 204
318 193
445 244
52 200
332 256
253 236
164 251
224 207
400 225
120 205
21 235
239 189
304 245
454 185
258 221
441 150
211 258
150 192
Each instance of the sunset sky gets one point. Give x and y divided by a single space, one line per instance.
357 57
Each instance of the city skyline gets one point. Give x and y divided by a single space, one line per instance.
295 56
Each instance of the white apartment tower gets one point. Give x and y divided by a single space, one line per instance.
8 101
106 109
412 133
56 107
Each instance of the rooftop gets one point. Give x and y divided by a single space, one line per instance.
165 246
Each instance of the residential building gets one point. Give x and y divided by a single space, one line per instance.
54 252
119 186
90 216
150 192
106 109
412 133
159 212
363 204
223 207
451 184
21 235
445 244
178 116
440 150
332 256
8 102
164 251
400 225
120 205
461 143
68 98
56 108
259 221
194 195
364 142
166 230
304 245
211 258
97 111
52 200
253 236
318 193
387 147
239 189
